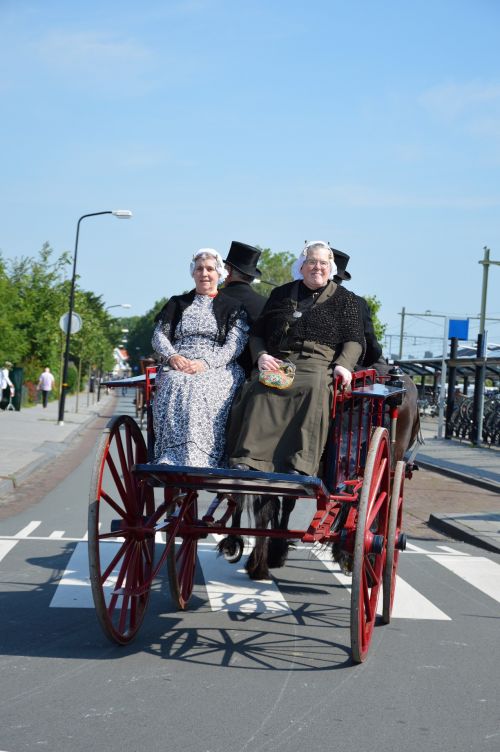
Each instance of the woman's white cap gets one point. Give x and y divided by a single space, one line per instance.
297 265
219 264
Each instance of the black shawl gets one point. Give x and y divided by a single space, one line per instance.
226 311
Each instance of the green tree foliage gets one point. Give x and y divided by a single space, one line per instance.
374 305
34 294
140 334
276 269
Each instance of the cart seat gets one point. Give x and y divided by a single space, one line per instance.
222 480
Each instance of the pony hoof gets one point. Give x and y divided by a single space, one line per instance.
231 548
277 553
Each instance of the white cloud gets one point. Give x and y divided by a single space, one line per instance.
449 101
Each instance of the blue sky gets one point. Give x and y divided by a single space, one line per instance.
373 125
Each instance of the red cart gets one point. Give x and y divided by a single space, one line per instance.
359 508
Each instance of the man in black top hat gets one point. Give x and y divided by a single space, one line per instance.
373 349
241 264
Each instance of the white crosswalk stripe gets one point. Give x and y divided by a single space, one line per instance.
408 602
478 571
229 589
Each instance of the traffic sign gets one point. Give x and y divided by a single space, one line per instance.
76 323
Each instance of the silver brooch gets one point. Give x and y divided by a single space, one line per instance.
297 314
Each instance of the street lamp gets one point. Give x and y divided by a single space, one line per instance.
118 305
121 214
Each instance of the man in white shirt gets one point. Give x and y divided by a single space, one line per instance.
46 385
6 386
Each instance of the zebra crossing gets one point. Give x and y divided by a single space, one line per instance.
228 588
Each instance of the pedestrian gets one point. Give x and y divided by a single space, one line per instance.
45 385
7 390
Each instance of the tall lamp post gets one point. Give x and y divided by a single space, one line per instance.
121 214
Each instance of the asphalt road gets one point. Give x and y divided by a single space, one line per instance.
250 666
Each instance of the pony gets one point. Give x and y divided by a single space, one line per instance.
269 511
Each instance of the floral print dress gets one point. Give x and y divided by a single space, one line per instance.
190 411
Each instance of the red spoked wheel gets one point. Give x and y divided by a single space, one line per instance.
369 543
121 531
393 541
182 548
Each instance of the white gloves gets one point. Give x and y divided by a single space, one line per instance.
344 374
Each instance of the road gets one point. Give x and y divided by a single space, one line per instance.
251 666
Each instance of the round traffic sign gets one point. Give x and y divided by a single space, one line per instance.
76 323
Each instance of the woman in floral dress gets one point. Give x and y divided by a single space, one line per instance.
197 338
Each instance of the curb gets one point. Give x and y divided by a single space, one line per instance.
446 524
50 450
475 480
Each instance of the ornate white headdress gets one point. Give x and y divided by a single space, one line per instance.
219 264
297 265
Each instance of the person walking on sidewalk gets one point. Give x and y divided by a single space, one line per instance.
7 390
45 385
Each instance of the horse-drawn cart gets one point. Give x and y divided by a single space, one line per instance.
358 510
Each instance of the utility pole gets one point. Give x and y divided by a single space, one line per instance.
482 347
402 333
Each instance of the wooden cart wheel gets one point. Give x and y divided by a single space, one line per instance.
393 531
121 538
181 558
369 543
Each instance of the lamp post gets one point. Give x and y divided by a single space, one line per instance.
121 214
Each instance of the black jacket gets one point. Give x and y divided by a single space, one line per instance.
251 300
253 303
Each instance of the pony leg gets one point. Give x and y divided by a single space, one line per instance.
265 510
231 547
278 547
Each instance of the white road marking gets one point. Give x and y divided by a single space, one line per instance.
28 529
452 551
408 602
229 588
482 573
73 590
5 547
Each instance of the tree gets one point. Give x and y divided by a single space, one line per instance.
276 269
374 305
140 333
34 294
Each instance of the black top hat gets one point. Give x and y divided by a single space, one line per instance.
341 260
244 258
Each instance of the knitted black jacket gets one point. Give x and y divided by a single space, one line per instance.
332 322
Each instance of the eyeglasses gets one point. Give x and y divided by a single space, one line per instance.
314 262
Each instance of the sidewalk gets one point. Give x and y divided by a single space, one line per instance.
478 466
31 437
